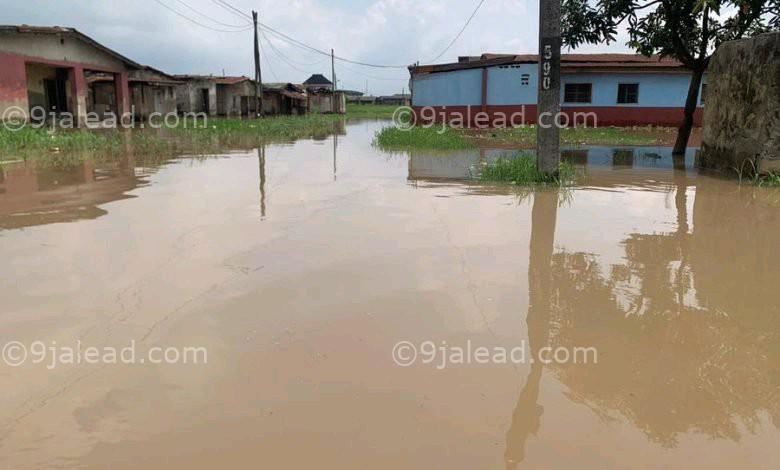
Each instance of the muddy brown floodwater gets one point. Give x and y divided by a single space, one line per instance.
300 266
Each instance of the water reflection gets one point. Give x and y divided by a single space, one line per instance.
687 327
32 194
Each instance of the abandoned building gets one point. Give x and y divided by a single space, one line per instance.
152 91
284 99
317 82
235 96
48 67
196 94
619 89
324 101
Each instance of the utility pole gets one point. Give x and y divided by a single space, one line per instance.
548 155
333 77
258 72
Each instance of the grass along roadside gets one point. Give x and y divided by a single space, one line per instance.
436 137
521 170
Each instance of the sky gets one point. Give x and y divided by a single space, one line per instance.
392 32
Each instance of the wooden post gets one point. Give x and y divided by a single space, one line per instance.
548 154
333 78
258 72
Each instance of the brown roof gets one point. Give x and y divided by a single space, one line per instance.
569 62
59 30
219 80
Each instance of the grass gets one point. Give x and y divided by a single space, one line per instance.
369 111
525 137
431 138
521 170
391 138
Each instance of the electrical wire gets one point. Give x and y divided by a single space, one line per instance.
232 9
460 33
199 23
203 15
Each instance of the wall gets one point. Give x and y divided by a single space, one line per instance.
188 96
36 74
59 48
742 118
148 99
661 95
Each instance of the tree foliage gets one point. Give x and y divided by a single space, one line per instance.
687 30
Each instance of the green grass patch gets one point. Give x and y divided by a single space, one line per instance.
432 138
521 170
370 111
525 137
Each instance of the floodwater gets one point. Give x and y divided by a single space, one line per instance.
300 266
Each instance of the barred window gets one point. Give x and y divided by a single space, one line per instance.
628 93
578 93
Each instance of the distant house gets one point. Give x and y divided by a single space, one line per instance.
324 101
236 96
47 67
619 89
284 99
395 100
317 82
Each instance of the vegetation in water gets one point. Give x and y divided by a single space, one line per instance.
525 137
521 170
431 138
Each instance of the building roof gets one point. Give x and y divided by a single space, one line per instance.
71 32
219 80
286 89
569 62
156 76
317 79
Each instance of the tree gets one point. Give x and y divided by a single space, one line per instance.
686 30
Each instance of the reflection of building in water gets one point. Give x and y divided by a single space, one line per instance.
37 195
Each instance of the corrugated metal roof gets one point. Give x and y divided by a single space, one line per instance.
568 61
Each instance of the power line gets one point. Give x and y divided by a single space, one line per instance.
459 33
232 9
373 77
288 58
320 51
280 55
196 22
268 62
203 15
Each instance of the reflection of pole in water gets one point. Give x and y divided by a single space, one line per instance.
261 158
335 149
527 415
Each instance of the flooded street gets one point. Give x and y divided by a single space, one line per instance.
300 266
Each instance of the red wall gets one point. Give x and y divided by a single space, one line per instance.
606 116
13 80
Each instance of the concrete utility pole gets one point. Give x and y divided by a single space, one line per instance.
548 134
258 73
333 77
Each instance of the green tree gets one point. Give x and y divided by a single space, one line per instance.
686 30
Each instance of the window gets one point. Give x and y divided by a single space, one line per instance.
525 79
578 93
628 93
703 94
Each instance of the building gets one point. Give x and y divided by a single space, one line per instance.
618 89
196 94
324 101
395 100
48 67
284 99
317 82
236 96
152 91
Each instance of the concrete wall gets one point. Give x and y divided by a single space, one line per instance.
742 118
147 99
506 87
36 74
229 98
188 97
62 48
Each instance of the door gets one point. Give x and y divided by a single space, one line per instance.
204 100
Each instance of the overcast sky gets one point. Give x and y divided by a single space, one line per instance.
376 31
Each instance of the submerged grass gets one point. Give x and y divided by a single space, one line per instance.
521 170
613 136
431 138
